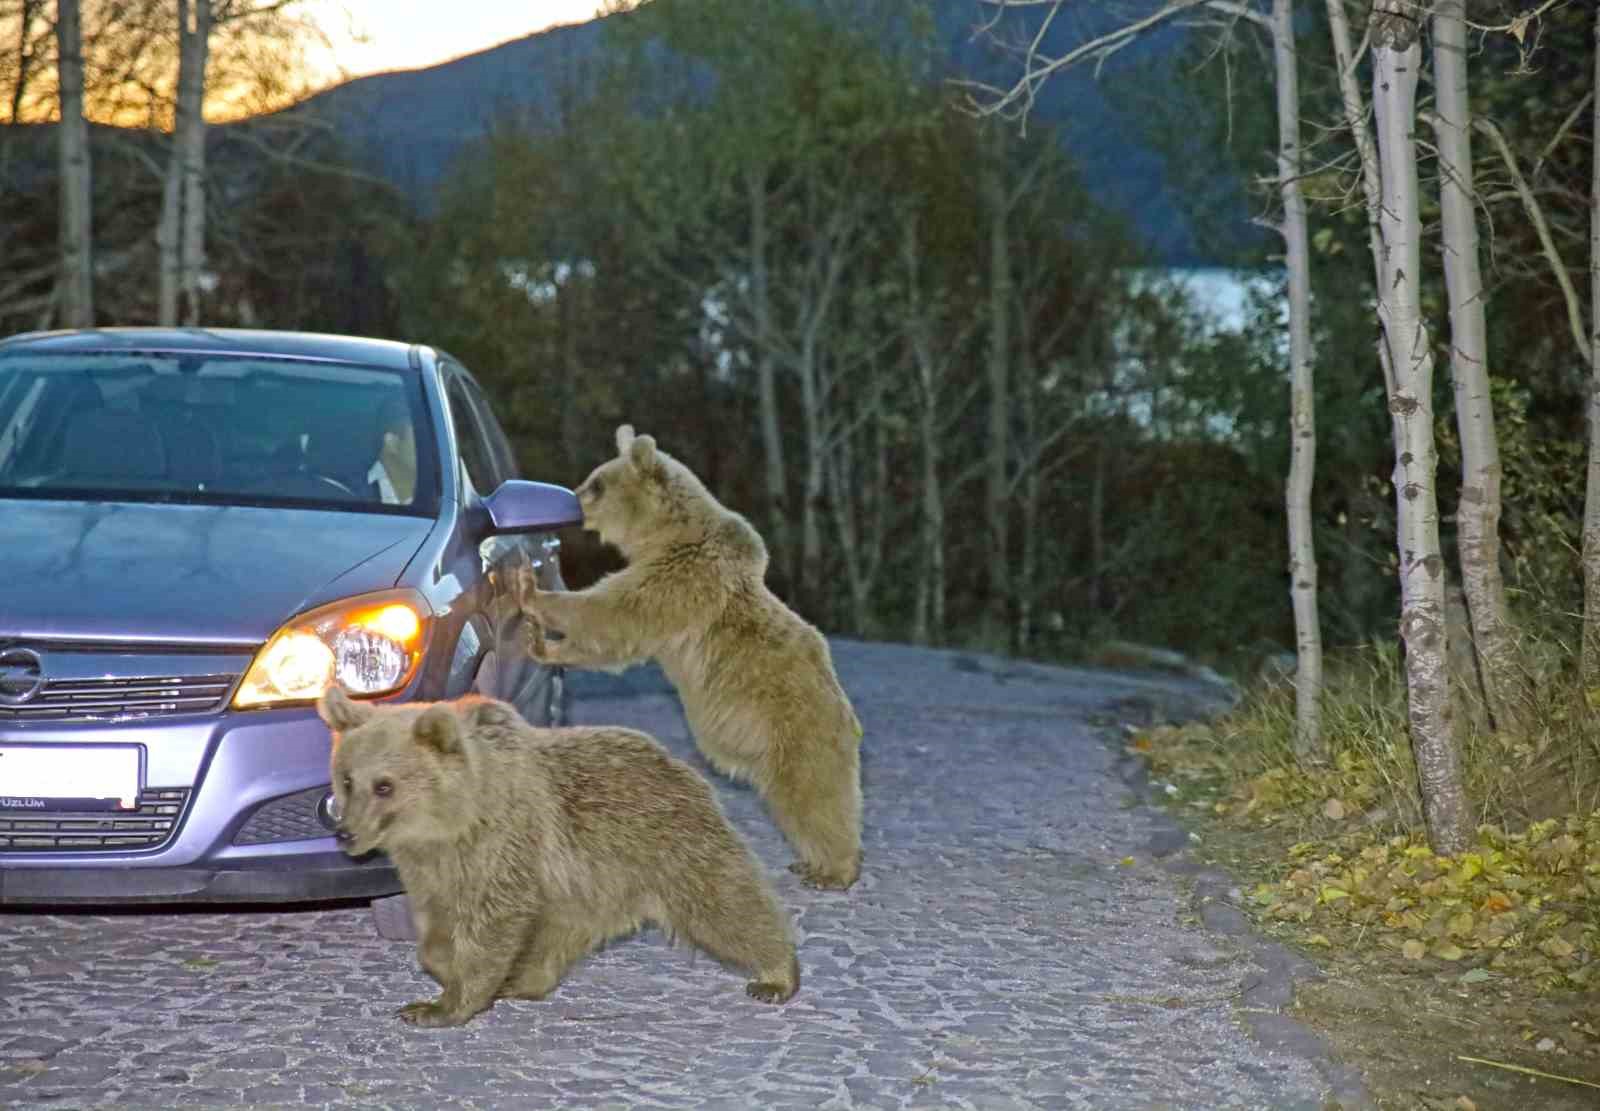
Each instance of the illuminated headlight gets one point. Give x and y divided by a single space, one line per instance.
370 645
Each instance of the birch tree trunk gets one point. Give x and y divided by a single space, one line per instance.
1396 60
835 236
927 612
26 14
76 231
878 513
180 235
168 230
858 501
1478 514
1097 523
816 448
568 314
1355 118
996 488
1591 498
930 541
778 527
1027 587
928 609
192 257
1302 399
842 501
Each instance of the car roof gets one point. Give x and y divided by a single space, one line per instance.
259 342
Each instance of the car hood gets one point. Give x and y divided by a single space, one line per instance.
186 573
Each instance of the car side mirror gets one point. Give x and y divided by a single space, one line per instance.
523 506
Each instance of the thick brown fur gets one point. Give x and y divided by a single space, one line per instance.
522 849
756 680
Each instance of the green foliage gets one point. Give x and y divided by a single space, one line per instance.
1542 479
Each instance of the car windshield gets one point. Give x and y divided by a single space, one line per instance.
214 429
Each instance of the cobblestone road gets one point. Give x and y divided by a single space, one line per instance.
997 953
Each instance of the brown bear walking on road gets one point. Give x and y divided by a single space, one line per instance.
756 680
522 849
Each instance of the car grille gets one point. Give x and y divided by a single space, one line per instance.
148 827
290 818
68 700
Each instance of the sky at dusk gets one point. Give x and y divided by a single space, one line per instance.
410 34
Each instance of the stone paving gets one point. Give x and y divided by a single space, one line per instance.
998 953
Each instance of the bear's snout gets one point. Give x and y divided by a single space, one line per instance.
346 840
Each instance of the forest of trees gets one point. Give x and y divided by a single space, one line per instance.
887 322
1439 294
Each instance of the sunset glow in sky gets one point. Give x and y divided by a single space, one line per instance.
372 36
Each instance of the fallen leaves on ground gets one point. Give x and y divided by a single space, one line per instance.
1517 904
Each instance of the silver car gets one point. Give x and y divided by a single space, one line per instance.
202 529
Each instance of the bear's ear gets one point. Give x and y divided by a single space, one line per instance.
642 452
486 711
340 713
439 728
624 439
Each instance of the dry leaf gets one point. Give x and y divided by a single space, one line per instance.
1557 947
1414 950
1333 809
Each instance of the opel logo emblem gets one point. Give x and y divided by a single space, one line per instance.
21 675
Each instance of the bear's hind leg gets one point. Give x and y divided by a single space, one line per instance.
819 811
740 924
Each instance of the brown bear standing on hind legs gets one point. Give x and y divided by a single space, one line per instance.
522 849
756 680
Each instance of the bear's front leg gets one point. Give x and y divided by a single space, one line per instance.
593 633
434 948
480 961
555 653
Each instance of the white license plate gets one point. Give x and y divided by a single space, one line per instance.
69 777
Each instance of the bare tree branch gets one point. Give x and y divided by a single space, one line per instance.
1561 133
1018 100
1535 212
1037 70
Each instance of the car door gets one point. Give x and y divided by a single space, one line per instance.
492 659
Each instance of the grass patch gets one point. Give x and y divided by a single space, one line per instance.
1493 953
1346 846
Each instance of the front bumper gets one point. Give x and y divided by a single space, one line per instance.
235 769
309 877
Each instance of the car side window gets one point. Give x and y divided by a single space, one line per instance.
499 444
471 441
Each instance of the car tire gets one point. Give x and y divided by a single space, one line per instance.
392 916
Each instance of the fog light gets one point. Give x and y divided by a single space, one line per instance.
328 812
